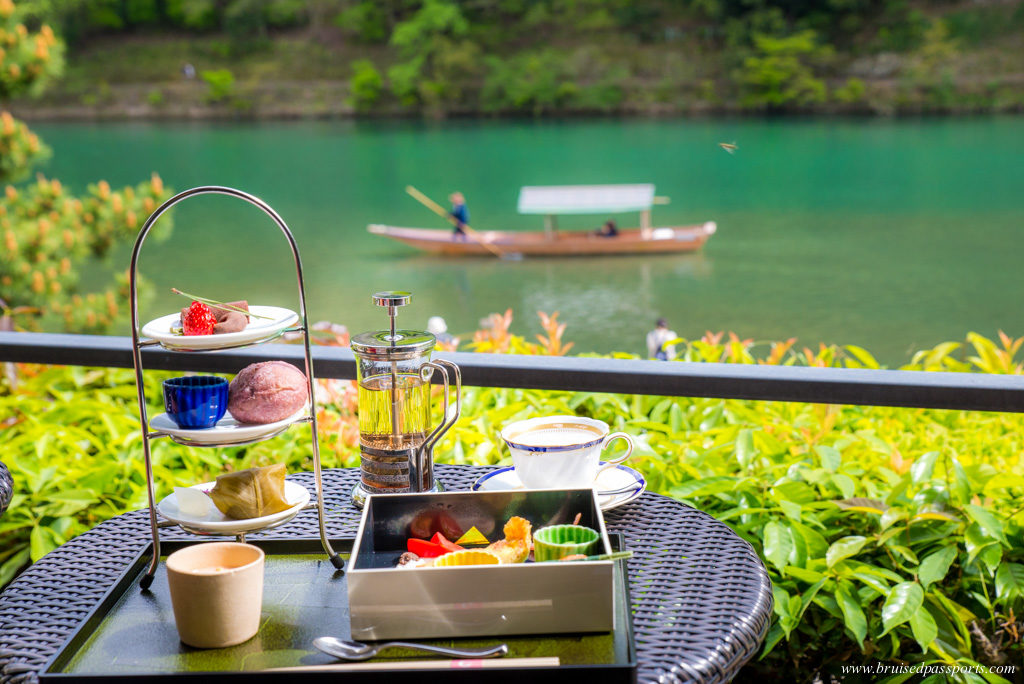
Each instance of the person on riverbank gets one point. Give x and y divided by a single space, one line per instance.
460 214
656 340
437 327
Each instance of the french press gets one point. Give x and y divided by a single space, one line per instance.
394 371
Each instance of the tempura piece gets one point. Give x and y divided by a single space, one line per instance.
251 493
516 546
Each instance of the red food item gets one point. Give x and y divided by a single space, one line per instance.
198 320
424 548
439 538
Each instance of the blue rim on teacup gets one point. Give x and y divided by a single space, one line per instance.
530 424
196 402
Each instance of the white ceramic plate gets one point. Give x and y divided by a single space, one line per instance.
226 431
218 523
159 329
622 483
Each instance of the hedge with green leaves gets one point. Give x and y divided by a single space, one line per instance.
889 534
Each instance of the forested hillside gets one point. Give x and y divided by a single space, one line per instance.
267 57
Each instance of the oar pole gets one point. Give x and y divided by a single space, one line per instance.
440 211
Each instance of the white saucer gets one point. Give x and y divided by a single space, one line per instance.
622 482
217 523
258 330
227 431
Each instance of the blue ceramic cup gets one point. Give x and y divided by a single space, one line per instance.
196 401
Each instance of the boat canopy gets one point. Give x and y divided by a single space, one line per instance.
585 199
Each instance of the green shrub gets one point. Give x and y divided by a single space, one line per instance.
155 97
285 13
404 79
366 84
220 84
889 534
781 72
365 20
851 92
200 15
532 81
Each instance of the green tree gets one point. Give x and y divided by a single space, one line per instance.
437 54
44 231
366 84
781 72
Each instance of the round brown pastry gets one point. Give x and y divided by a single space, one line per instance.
267 392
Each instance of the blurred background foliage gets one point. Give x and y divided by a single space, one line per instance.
462 56
47 232
890 534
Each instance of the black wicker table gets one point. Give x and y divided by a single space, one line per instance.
701 597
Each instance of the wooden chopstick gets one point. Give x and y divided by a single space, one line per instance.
463 664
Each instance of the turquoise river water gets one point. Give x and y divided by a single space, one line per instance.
891 234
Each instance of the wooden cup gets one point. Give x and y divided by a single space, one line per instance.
216 592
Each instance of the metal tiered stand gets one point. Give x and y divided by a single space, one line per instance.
138 344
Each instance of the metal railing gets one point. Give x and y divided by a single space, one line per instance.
968 391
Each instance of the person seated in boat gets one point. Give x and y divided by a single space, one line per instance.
656 340
459 214
609 229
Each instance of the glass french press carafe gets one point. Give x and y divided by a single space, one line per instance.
395 437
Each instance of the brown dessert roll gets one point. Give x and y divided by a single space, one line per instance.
267 392
233 321
221 314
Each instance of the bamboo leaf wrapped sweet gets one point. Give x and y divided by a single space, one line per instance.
251 493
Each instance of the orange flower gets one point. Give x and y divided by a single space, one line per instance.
130 219
157 183
37 282
6 8
12 194
8 123
54 287
10 242
104 189
42 52
69 239
65 265
115 203
14 70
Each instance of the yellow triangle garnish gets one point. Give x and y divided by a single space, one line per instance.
472 536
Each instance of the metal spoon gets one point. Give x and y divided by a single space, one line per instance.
354 650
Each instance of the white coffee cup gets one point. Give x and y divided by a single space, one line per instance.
561 452
216 592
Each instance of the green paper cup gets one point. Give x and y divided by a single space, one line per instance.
558 541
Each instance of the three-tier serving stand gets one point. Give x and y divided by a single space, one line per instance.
302 326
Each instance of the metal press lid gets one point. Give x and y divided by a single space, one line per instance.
406 344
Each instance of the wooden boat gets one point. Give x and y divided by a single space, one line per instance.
552 201
538 243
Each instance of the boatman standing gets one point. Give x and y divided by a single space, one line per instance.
460 214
